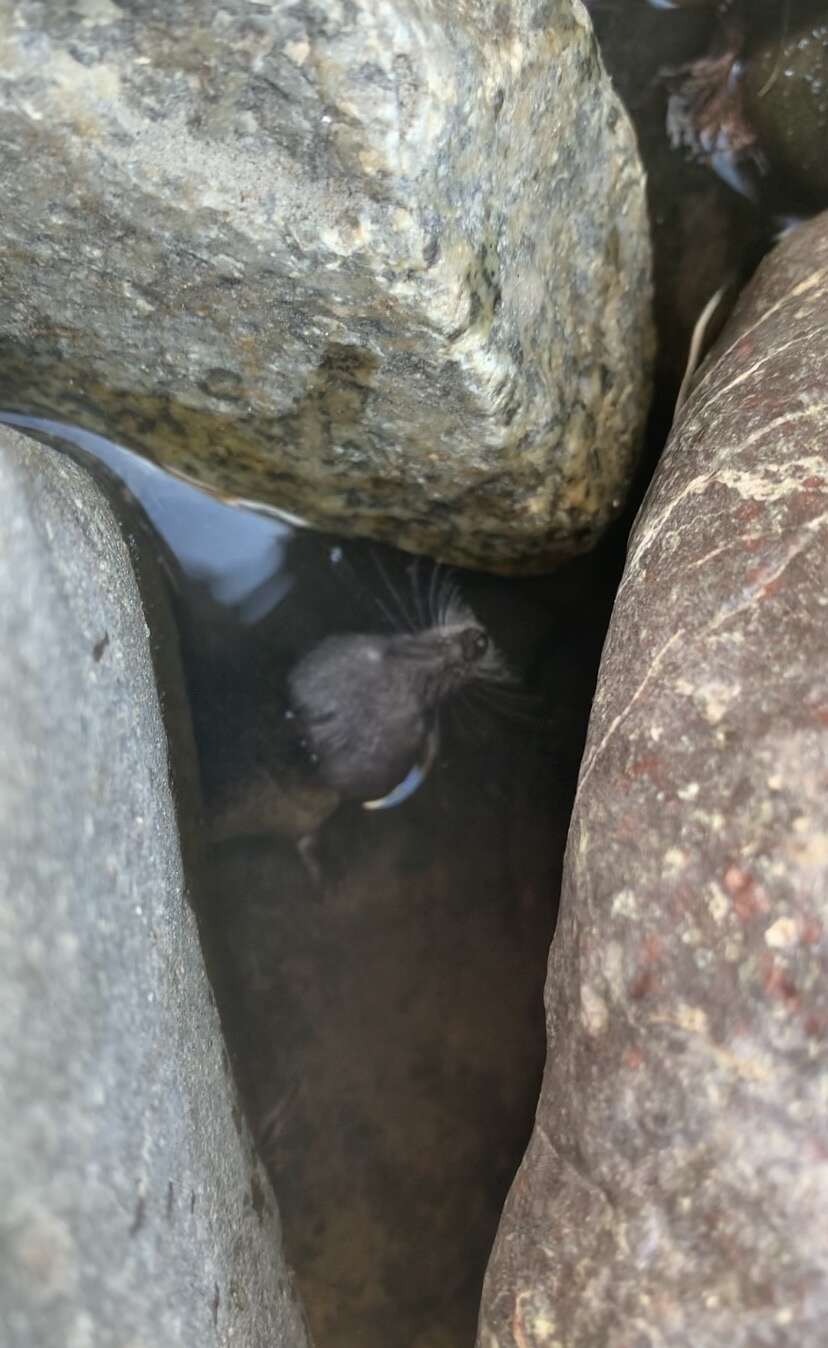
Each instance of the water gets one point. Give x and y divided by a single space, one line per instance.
235 552
385 1022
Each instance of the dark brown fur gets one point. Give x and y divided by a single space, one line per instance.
366 705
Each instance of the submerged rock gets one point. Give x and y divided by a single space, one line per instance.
786 99
386 267
755 106
676 1184
133 1209
703 233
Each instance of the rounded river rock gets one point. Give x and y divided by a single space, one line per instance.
385 266
675 1189
133 1209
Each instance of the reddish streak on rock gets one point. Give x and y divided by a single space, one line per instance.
747 511
642 985
813 483
632 1057
650 766
747 898
628 825
772 586
753 574
645 981
769 406
816 1024
802 504
778 982
517 1327
653 948
821 714
684 900
811 929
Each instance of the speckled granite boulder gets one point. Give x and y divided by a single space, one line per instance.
675 1189
382 265
132 1209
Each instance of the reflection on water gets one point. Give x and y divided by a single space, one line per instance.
385 1017
236 552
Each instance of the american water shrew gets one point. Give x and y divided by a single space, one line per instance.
361 725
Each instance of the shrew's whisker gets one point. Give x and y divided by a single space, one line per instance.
414 577
433 593
408 621
511 704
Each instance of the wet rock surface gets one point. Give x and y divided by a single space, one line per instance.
675 1187
786 97
705 234
750 104
133 1208
386 267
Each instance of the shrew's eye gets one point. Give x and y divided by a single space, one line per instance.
475 644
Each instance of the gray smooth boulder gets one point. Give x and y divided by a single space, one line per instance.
675 1190
382 265
133 1211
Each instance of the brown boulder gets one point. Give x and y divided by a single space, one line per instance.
675 1189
